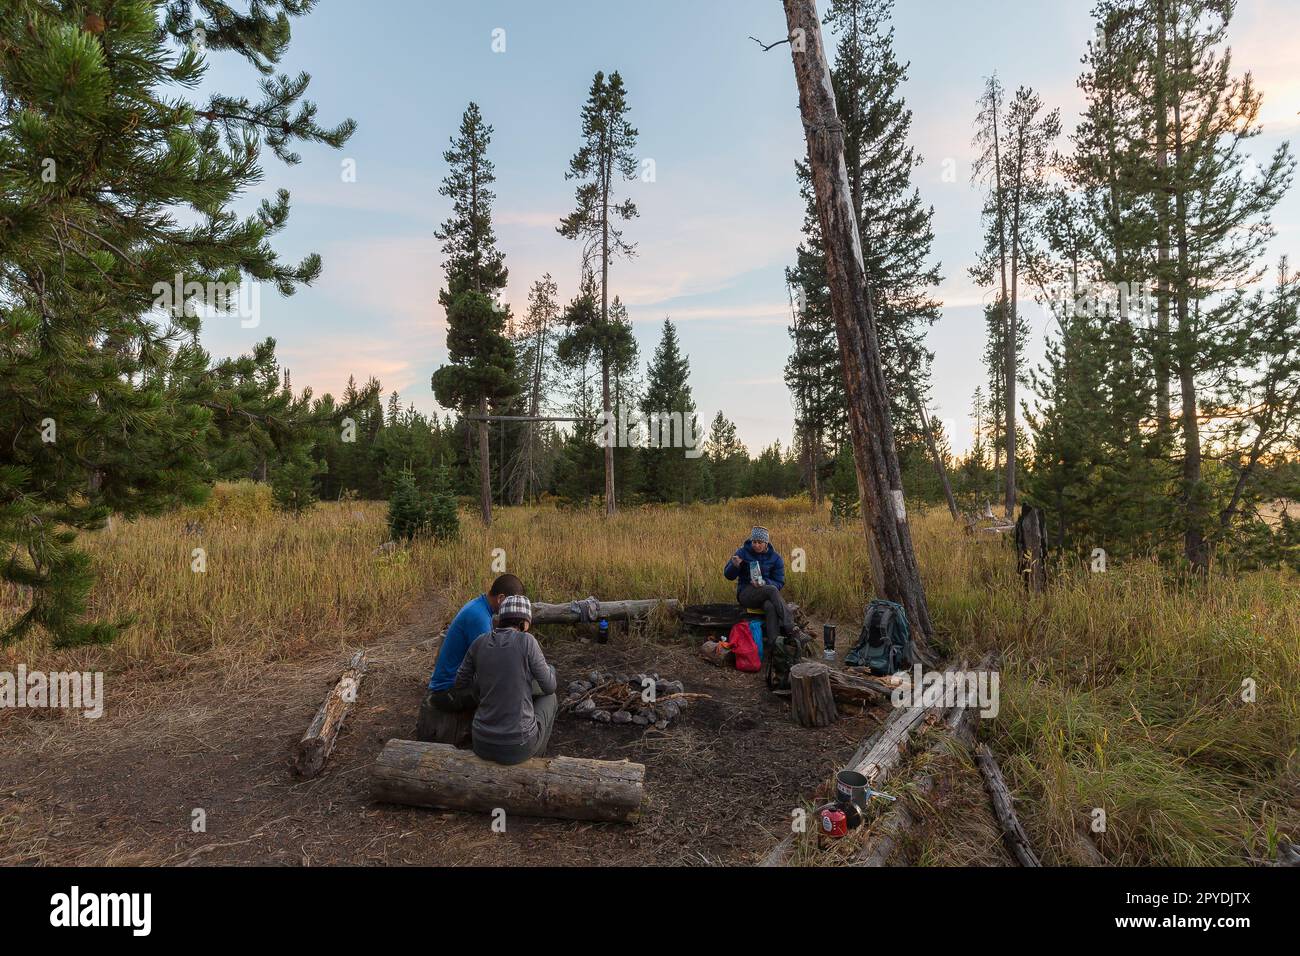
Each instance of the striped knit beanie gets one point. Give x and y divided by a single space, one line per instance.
515 607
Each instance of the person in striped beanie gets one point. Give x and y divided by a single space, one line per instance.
515 687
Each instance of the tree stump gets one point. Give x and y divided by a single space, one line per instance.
1031 549
812 702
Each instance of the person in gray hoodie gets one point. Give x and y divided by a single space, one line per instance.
515 687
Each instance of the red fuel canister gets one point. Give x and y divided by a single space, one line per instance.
834 822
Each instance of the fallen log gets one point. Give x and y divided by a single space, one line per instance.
959 721
811 702
1013 833
853 689
875 758
609 610
437 775
960 724
318 743
879 760
879 753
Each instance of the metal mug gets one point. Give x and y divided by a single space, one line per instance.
851 787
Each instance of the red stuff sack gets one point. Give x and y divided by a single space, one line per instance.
742 644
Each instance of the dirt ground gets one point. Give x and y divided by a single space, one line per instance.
721 781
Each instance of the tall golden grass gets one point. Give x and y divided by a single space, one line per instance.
1124 691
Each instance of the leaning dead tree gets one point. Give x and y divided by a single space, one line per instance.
940 468
893 561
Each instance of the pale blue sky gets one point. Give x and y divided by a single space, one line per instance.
720 223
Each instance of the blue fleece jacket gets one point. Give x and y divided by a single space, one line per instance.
471 621
770 566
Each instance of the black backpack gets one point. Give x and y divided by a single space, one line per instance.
885 642
782 653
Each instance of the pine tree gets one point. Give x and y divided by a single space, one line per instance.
535 348
897 235
1161 198
607 154
441 512
728 459
473 263
1013 163
407 511
670 473
812 372
293 482
114 182
1219 227
481 361
603 345
774 472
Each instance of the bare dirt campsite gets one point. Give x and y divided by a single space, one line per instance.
796 435
208 709
216 730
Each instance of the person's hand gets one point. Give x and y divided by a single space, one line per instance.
735 560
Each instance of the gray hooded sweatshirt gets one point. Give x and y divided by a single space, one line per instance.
502 665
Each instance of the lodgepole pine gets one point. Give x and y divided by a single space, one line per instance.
893 562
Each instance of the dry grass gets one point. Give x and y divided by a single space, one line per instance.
1121 691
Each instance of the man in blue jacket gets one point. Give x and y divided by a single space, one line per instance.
760 587
470 622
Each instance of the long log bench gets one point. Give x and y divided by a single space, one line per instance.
438 775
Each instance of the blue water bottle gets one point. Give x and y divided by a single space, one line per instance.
603 638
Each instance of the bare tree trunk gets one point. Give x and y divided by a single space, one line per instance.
607 174
1194 544
1012 365
894 568
610 507
811 446
1008 321
938 460
1161 349
1031 549
484 463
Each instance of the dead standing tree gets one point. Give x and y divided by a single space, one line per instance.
893 561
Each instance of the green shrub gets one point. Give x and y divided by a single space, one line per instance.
407 513
293 483
415 515
443 517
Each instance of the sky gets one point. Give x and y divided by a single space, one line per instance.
719 223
